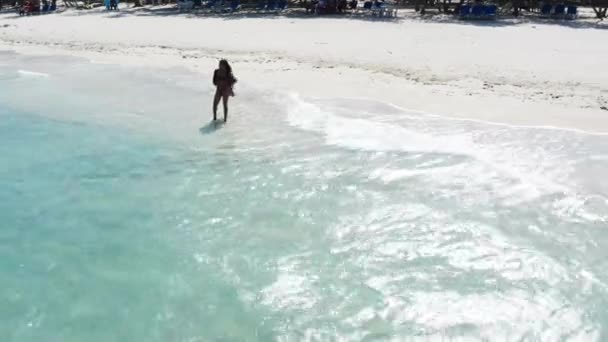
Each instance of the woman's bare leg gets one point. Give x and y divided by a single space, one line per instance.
216 102
225 102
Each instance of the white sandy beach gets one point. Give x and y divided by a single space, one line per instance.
515 72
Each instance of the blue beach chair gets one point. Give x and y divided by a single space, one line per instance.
465 11
272 5
571 12
545 10
382 9
367 7
184 5
211 4
234 6
559 12
282 5
376 8
261 5
478 11
491 11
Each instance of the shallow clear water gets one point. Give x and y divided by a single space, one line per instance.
126 216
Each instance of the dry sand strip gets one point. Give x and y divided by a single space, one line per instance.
517 73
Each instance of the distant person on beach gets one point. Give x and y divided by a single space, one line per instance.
26 9
321 7
224 81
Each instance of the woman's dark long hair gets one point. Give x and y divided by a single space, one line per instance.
226 66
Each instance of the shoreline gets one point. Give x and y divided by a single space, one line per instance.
497 88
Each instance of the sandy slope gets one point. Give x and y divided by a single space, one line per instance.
512 72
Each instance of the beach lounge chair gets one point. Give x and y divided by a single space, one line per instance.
282 5
491 11
233 6
211 4
465 11
376 8
185 5
325 7
111 5
272 5
382 9
367 7
559 12
477 11
310 6
545 10
261 5
571 12
276 5
215 6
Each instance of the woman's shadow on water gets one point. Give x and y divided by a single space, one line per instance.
212 127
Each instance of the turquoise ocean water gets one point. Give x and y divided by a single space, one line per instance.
126 216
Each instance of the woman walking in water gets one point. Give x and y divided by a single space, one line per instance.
224 80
